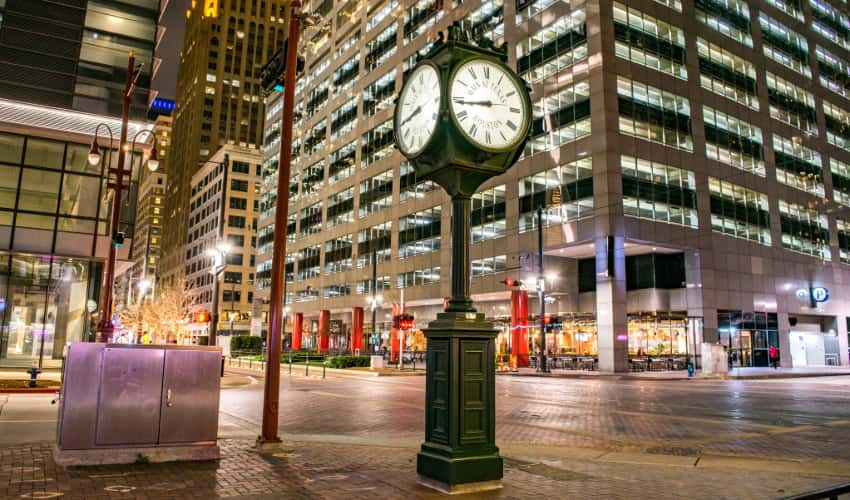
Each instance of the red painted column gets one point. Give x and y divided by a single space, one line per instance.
297 326
324 330
395 342
519 326
356 329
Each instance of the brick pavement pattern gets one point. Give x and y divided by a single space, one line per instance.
343 471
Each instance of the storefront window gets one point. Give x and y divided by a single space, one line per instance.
659 333
42 306
568 335
748 336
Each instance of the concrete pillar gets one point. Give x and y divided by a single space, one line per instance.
324 330
519 326
297 327
841 328
611 304
784 340
356 329
395 341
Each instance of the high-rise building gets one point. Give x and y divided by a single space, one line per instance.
223 214
691 160
73 53
219 100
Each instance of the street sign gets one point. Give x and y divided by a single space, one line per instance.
820 294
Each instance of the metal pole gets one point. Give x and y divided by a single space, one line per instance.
213 329
374 286
461 213
106 326
232 306
271 394
542 365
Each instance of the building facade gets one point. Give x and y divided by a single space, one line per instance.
690 159
219 101
72 54
223 209
54 228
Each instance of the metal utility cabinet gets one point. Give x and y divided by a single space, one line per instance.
120 403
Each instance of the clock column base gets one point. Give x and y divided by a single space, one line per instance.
459 454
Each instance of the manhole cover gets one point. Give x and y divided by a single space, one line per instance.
42 494
543 470
120 488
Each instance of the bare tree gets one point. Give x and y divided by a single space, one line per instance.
162 316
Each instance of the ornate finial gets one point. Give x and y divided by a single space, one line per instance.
456 33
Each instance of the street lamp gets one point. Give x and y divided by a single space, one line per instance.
373 302
219 254
143 285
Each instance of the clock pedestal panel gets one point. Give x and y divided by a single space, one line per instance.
459 454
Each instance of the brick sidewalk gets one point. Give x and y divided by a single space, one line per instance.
344 471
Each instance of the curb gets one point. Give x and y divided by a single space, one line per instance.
37 390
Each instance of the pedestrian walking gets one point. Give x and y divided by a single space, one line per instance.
773 354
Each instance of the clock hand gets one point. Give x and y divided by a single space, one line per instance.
410 117
474 103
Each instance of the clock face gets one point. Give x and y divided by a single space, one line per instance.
487 104
418 109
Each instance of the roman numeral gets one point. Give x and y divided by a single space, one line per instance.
473 129
458 80
486 72
511 125
406 133
510 93
473 73
487 137
503 136
500 80
462 115
513 110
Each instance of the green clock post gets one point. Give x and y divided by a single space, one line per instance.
462 117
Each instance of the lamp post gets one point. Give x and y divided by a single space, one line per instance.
373 302
542 366
219 255
106 327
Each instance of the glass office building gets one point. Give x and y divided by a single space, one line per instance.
690 157
54 228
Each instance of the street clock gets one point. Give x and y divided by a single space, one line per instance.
462 115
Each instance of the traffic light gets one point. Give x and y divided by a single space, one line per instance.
405 321
272 74
511 282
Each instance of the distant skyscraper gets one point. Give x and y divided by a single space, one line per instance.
219 99
73 53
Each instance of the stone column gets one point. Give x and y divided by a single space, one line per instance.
784 341
611 303
841 328
297 327
356 329
324 330
519 326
